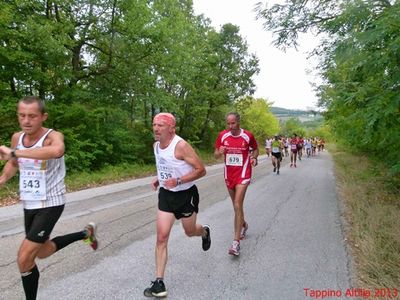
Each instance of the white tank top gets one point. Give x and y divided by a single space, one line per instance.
168 166
41 182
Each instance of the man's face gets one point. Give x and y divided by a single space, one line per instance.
30 117
161 130
232 124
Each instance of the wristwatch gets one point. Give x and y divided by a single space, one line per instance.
13 153
178 181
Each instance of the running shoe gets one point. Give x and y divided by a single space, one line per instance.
291 165
244 230
277 172
295 166
157 289
91 239
274 169
235 248
206 240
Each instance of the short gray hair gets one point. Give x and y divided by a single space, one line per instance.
34 99
237 116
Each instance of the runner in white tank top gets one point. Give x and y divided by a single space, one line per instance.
168 166
38 153
178 166
41 181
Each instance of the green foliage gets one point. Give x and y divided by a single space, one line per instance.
96 137
106 67
293 126
257 118
323 132
9 123
359 64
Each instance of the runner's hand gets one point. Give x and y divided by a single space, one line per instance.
5 153
155 183
170 183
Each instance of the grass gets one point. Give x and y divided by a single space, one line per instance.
107 175
372 210
84 180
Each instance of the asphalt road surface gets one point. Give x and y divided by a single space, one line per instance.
295 248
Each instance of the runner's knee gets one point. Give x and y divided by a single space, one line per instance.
162 238
25 261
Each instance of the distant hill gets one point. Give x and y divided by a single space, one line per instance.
304 115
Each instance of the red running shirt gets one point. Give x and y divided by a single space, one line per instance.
237 155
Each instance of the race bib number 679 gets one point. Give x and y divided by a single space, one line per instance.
234 159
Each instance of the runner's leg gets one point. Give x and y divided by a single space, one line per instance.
237 196
165 220
190 226
27 267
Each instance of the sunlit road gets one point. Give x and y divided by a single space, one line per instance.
295 241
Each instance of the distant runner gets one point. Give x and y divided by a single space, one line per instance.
268 145
294 141
277 146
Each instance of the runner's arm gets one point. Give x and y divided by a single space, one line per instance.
219 148
254 153
155 183
11 167
253 157
219 152
9 170
53 148
185 152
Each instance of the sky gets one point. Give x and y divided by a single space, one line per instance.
283 77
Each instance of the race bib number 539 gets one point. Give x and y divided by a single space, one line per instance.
234 159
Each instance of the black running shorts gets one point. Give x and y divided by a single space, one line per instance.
278 155
182 203
40 222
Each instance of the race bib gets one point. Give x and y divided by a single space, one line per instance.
293 146
234 159
165 175
32 185
275 149
164 172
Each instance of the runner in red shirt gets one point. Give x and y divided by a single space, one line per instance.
240 151
300 146
294 141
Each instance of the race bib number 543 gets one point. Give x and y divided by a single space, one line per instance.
32 185
234 159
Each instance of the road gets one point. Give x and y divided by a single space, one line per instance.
295 246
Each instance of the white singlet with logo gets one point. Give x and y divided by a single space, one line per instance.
168 166
41 182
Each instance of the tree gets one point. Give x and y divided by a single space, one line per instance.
106 67
257 118
293 126
359 66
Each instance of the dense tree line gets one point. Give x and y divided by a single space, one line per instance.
359 64
105 67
